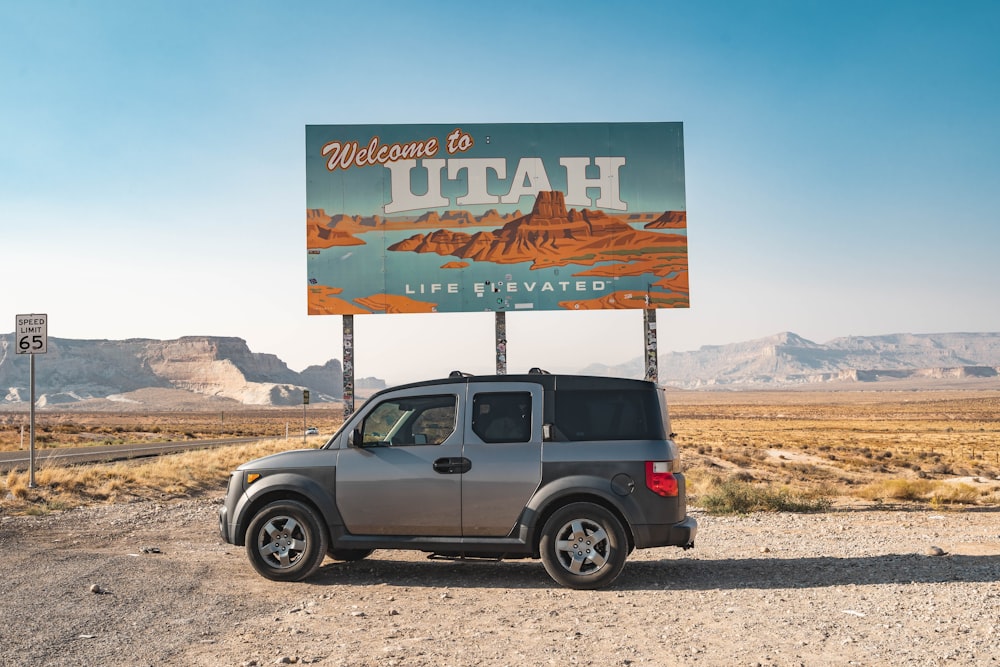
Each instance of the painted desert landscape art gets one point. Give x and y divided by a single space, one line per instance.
571 253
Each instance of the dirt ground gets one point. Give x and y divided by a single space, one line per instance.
152 584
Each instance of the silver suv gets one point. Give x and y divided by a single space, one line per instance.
575 470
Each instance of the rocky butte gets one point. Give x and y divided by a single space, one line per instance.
221 368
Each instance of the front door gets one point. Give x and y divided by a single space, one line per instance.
404 477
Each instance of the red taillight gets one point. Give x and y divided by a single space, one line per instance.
660 480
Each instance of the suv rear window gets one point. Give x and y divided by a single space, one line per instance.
502 416
583 415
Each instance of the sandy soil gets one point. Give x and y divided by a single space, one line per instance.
153 584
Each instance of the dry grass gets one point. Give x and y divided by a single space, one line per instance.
173 476
780 450
935 447
71 428
936 492
736 496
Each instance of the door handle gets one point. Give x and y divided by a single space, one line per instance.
452 465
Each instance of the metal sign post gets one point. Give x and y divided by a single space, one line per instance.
31 337
305 402
501 341
348 371
31 427
649 330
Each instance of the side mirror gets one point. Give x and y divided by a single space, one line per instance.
357 439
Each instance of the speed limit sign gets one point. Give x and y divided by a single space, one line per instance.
31 334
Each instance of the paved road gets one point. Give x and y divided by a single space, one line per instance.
19 460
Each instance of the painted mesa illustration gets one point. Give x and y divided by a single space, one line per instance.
548 237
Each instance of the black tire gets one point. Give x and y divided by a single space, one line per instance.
286 541
349 554
583 546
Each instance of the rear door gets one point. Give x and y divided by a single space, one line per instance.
503 443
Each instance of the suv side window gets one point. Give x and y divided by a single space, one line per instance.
587 415
502 416
413 420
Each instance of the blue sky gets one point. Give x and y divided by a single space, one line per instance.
842 162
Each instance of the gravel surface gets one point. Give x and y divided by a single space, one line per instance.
153 584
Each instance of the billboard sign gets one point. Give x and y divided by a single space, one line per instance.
495 217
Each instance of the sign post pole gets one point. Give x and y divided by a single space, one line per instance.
31 421
348 370
501 341
31 337
305 402
649 328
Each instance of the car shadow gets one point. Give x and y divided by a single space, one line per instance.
675 574
809 572
381 568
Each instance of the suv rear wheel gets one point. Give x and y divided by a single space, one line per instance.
286 541
583 546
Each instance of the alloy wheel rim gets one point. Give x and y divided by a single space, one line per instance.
582 547
281 542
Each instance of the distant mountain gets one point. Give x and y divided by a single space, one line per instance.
193 371
787 359
221 368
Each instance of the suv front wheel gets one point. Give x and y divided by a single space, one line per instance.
286 541
583 546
